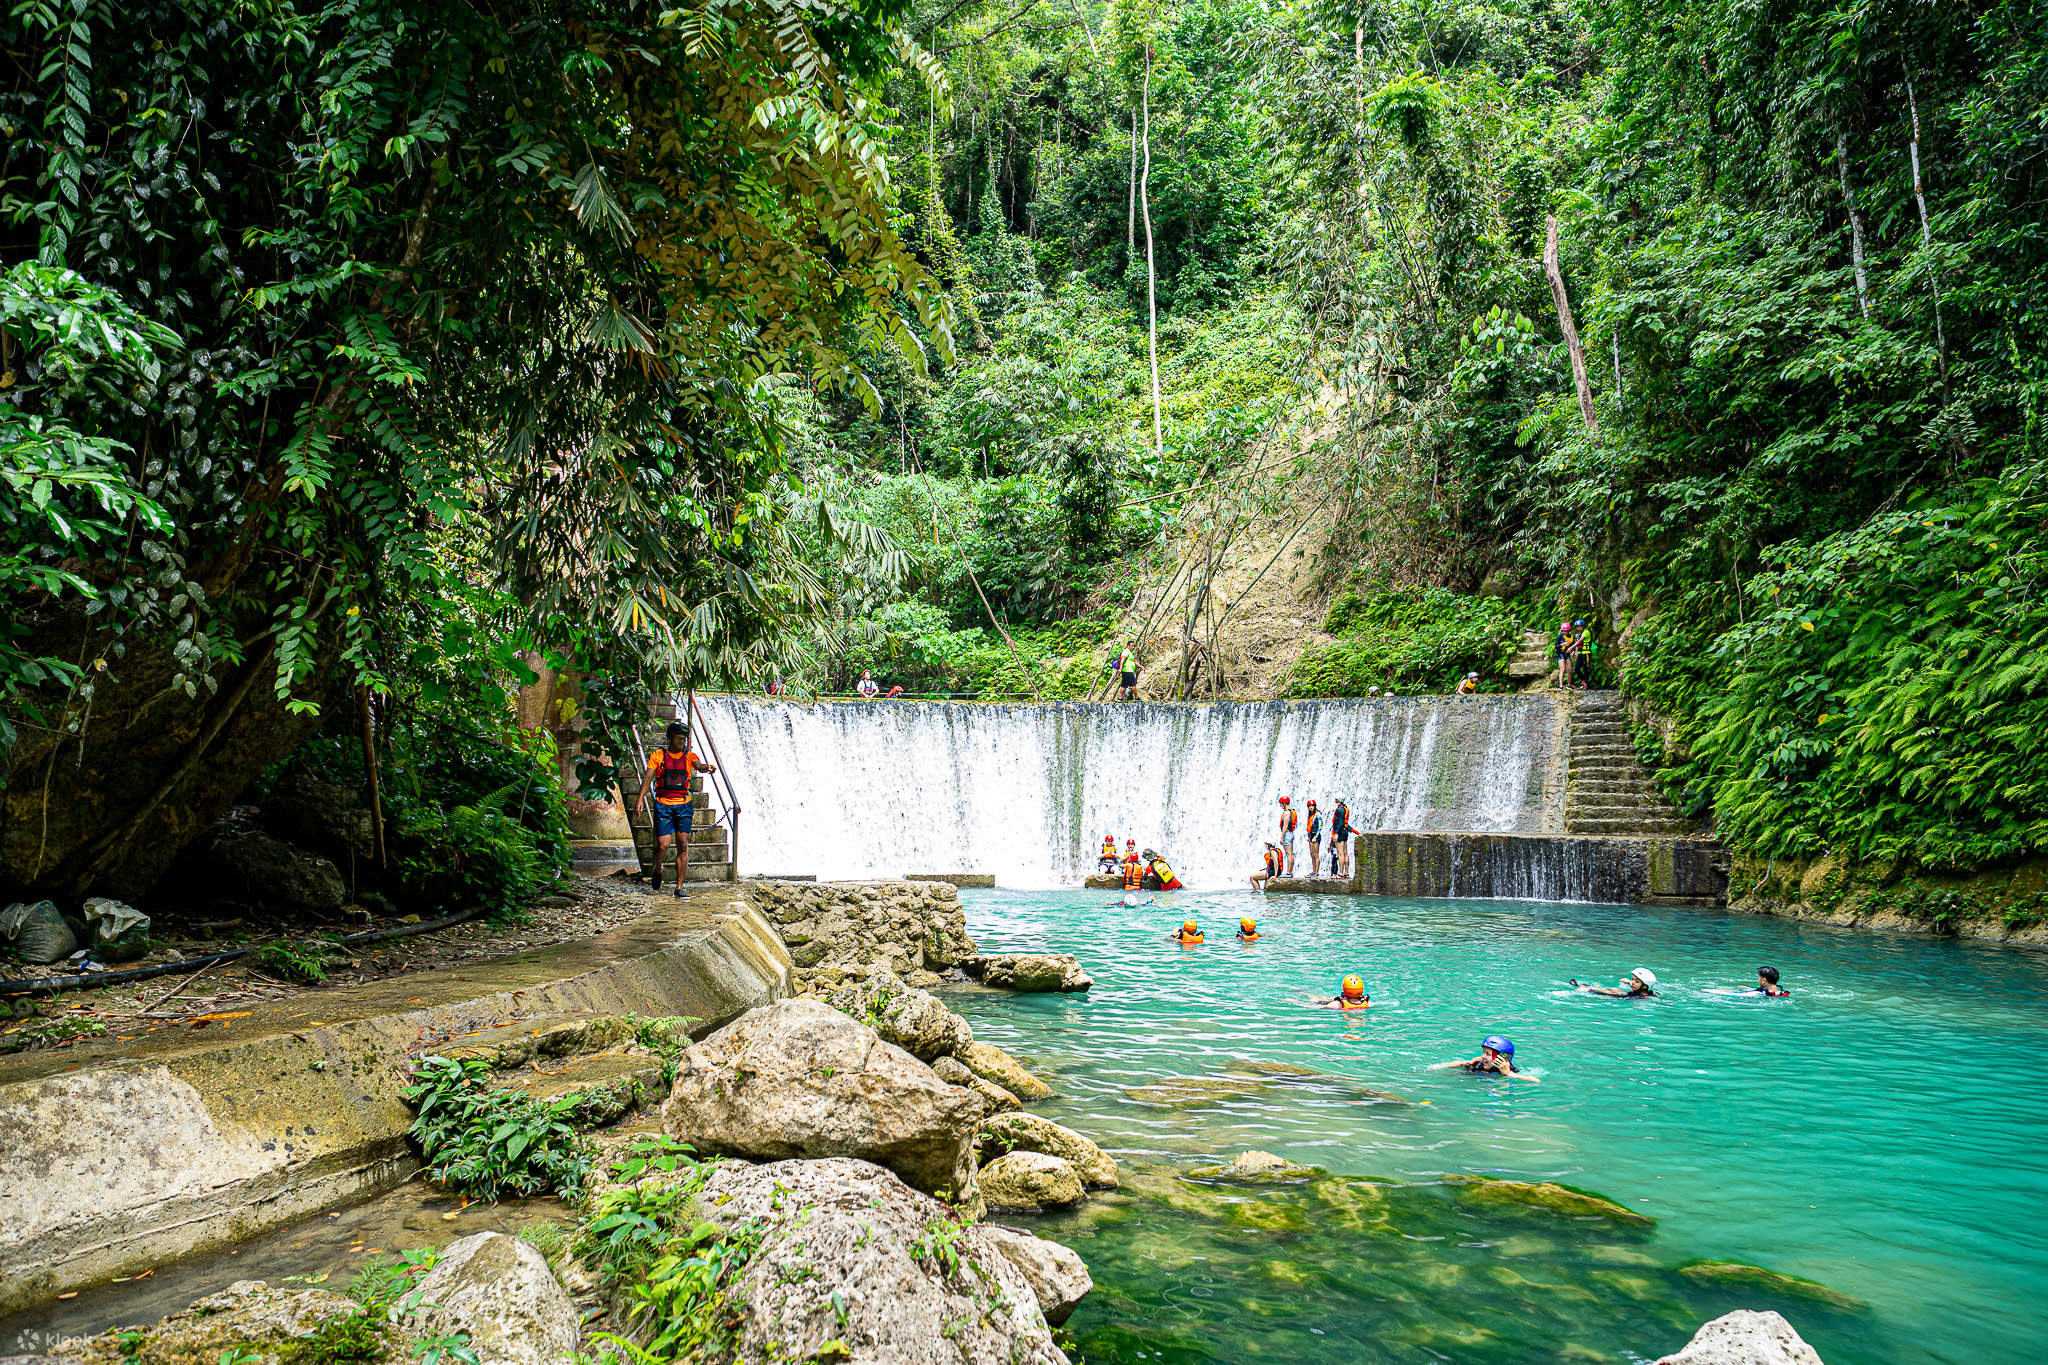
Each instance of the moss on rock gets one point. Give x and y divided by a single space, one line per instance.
1736 1275
1546 1196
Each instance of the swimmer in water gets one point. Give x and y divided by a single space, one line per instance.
1496 1058
1637 985
1767 983
1350 996
1187 936
1248 929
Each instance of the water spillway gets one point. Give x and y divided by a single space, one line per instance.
858 789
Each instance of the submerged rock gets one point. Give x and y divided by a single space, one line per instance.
1262 1067
257 1324
850 1254
1737 1275
1029 1182
1182 1091
1057 1275
991 1063
994 1099
800 1079
1030 1133
1745 1338
1256 1166
500 1291
1547 1196
1029 972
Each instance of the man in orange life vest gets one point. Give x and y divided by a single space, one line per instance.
669 775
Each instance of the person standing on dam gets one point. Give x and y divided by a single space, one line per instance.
1290 820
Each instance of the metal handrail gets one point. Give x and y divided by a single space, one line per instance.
732 804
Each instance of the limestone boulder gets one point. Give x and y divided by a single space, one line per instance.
992 1064
1030 1182
1029 972
799 1079
1745 1338
1030 1133
500 1291
850 1254
258 1323
903 927
254 868
1256 1166
912 1019
1057 1275
994 1099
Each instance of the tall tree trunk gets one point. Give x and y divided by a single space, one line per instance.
1131 203
1570 329
1151 279
1855 223
1926 231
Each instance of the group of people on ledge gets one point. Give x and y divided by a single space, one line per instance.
1145 871
1279 857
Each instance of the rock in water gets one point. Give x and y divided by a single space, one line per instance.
991 1063
1030 1133
500 1291
1546 1195
800 1079
994 1099
1029 972
849 1253
253 1322
1057 1275
1255 1166
1030 1182
1745 1338
1735 1275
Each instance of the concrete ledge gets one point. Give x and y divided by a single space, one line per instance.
982 879
1314 886
118 1155
1618 869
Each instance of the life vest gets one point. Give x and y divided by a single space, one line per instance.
1167 881
1289 820
1272 863
1346 1003
1188 940
1340 820
672 774
1134 873
1109 848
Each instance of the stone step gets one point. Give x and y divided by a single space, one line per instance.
710 840
1617 812
549 1035
604 1087
1606 729
1612 789
1625 753
1613 826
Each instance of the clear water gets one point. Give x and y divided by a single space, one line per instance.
866 789
1879 1132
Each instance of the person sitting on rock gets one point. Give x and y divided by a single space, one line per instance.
1248 929
1105 862
1188 935
1637 985
1134 867
669 778
1271 869
1496 1058
867 686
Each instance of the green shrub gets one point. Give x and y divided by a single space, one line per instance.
490 1142
1408 639
301 960
470 855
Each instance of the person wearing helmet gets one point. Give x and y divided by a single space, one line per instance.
1248 930
1767 983
1637 985
1105 862
1290 820
1134 867
1496 1058
1340 838
1188 935
1468 684
1350 996
1315 839
1270 870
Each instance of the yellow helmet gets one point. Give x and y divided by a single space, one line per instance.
1246 924
1353 987
1189 928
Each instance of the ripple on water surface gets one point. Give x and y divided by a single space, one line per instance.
1875 1133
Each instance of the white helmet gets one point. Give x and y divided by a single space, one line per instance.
1645 975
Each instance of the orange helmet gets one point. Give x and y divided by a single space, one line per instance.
1247 925
1189 928
1353 987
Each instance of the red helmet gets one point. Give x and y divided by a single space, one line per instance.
1311 800
1285 799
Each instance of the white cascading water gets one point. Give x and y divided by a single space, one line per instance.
869 789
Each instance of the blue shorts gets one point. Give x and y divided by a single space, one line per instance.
672 819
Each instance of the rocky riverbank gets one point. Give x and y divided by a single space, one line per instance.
2008 905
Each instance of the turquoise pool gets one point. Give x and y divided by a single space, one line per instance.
1878 1132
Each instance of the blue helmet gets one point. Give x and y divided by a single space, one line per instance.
1498 1044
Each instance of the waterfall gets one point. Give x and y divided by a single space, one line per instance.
864 789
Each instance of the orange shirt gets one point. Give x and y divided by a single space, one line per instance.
661 760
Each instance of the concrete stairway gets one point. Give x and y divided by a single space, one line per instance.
1531 664
1607 788
710 852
